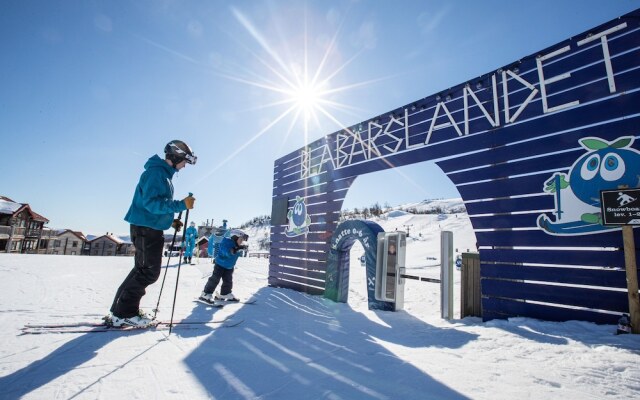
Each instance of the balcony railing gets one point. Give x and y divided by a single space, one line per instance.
16 231
32 232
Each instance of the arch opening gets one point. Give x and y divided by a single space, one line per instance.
338 263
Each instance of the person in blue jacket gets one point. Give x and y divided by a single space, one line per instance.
151 212
223 268
190 236
216 238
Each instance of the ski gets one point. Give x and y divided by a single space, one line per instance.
101 324
208 303
153 327
222 303
226 302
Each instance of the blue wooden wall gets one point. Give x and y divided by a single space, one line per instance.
502 138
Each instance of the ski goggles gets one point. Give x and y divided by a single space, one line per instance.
191 159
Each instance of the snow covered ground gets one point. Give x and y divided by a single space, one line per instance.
291 345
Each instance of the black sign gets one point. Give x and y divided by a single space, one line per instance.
620 206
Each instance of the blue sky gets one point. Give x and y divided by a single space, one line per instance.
89 90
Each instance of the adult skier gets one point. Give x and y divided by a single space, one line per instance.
190 236
151 212
223 268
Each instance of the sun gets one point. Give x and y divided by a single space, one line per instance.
306 97
303 87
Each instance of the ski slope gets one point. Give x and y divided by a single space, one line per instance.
291 345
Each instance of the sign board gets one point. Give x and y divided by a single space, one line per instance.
529 146
620 206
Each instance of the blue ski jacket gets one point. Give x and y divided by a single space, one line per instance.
153 205
226 258
190 235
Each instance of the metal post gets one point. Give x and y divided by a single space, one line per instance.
446 274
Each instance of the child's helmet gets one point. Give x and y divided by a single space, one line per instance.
238 233
177 151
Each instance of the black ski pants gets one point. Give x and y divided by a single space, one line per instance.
220 273
148 262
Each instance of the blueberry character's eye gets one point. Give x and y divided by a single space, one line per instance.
612 168
590 167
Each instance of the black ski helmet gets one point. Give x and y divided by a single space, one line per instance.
177 151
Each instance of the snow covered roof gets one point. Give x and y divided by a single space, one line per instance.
8 206
80 235
114 239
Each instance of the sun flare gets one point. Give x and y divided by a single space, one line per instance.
307 97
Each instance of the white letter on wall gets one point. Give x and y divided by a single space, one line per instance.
543 82
605 51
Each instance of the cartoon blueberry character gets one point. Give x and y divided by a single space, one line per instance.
299 212
607 165
299 221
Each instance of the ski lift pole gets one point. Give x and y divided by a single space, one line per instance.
175 293
173 241
558 197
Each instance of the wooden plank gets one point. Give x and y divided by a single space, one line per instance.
540 201
613 278
537 237
599 113
312 237
312 185
632 277
301 246
310 255
560 257
295 283
505 221
307 264
312 275
569 296
529 153
561 162
315 227
477 289
470 276
298 287
496 308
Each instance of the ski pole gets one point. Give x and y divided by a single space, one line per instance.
173 241
175 293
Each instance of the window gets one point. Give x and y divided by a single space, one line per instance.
56 243
74 244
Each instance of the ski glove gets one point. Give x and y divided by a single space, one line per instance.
188 201
235 249
177 225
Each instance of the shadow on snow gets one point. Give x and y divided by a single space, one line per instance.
297 346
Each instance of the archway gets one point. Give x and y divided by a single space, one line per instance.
337 276
514 141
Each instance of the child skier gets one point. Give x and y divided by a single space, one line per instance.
225 262
190 236
152 211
